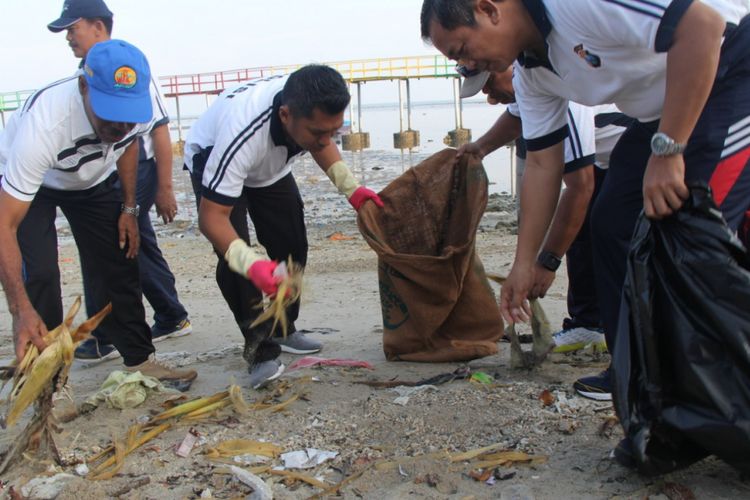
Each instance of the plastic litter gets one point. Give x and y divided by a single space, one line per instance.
306 459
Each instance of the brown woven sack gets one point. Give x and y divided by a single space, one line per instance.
436 301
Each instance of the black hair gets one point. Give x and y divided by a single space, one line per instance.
106 21
315 86
449 13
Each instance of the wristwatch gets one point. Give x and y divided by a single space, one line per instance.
663 145
549 261
134 211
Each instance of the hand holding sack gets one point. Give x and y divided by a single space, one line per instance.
347 185
245 261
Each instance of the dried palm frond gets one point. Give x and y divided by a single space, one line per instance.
289 292
34 382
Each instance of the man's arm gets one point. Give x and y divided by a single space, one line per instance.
692 61
507 128
540 191
166 205
127 169
569 217
214 223
329 160
27 325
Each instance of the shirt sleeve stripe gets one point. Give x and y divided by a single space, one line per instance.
640 9
219 198
548 140
235 146
574 138
668 25
579 163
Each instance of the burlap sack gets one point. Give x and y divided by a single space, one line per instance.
436 301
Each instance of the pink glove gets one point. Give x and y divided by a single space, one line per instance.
261 274
361 195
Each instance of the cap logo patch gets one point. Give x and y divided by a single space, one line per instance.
88 71
125 77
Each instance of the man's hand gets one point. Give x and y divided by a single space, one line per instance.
28 327
261 273
166 205
247 262
513 304
543 279
361 195
664 188
127 226
470 148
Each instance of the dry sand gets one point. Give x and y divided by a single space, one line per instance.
363 424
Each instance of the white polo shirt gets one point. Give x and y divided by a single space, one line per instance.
160 118
600 51
53 144
250 147
593 133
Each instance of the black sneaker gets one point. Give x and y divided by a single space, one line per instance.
623 454
91 351
598 387
181 329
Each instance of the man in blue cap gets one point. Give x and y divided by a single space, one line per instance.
88 22
72 140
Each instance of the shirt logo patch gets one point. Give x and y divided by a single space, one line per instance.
592 60
125 77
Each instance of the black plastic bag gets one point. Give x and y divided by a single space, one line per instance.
681 362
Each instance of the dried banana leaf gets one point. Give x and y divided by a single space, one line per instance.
289 292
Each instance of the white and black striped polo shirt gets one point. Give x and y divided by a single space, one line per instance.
52 144
249 145
600 51
593 133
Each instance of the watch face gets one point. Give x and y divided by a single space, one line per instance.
659 144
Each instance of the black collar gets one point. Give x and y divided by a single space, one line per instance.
539 15
278 135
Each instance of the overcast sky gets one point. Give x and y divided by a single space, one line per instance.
190 36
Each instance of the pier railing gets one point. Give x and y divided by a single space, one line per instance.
362 70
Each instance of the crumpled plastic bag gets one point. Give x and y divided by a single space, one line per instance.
124 389
681 362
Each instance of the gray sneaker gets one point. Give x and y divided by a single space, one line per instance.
298 343
264 372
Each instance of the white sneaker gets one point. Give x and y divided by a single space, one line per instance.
575 339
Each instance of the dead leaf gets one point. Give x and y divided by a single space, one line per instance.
547 398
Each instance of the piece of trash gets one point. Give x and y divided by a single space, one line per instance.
458 374
401 471
305 459
337 236
82 469
187 444
123 390
481 475
405 392
482 378
46 488
309 361
207 493
547 398
261 491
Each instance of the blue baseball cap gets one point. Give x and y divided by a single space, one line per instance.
118 77
75 10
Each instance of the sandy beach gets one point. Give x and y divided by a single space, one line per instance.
392 446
